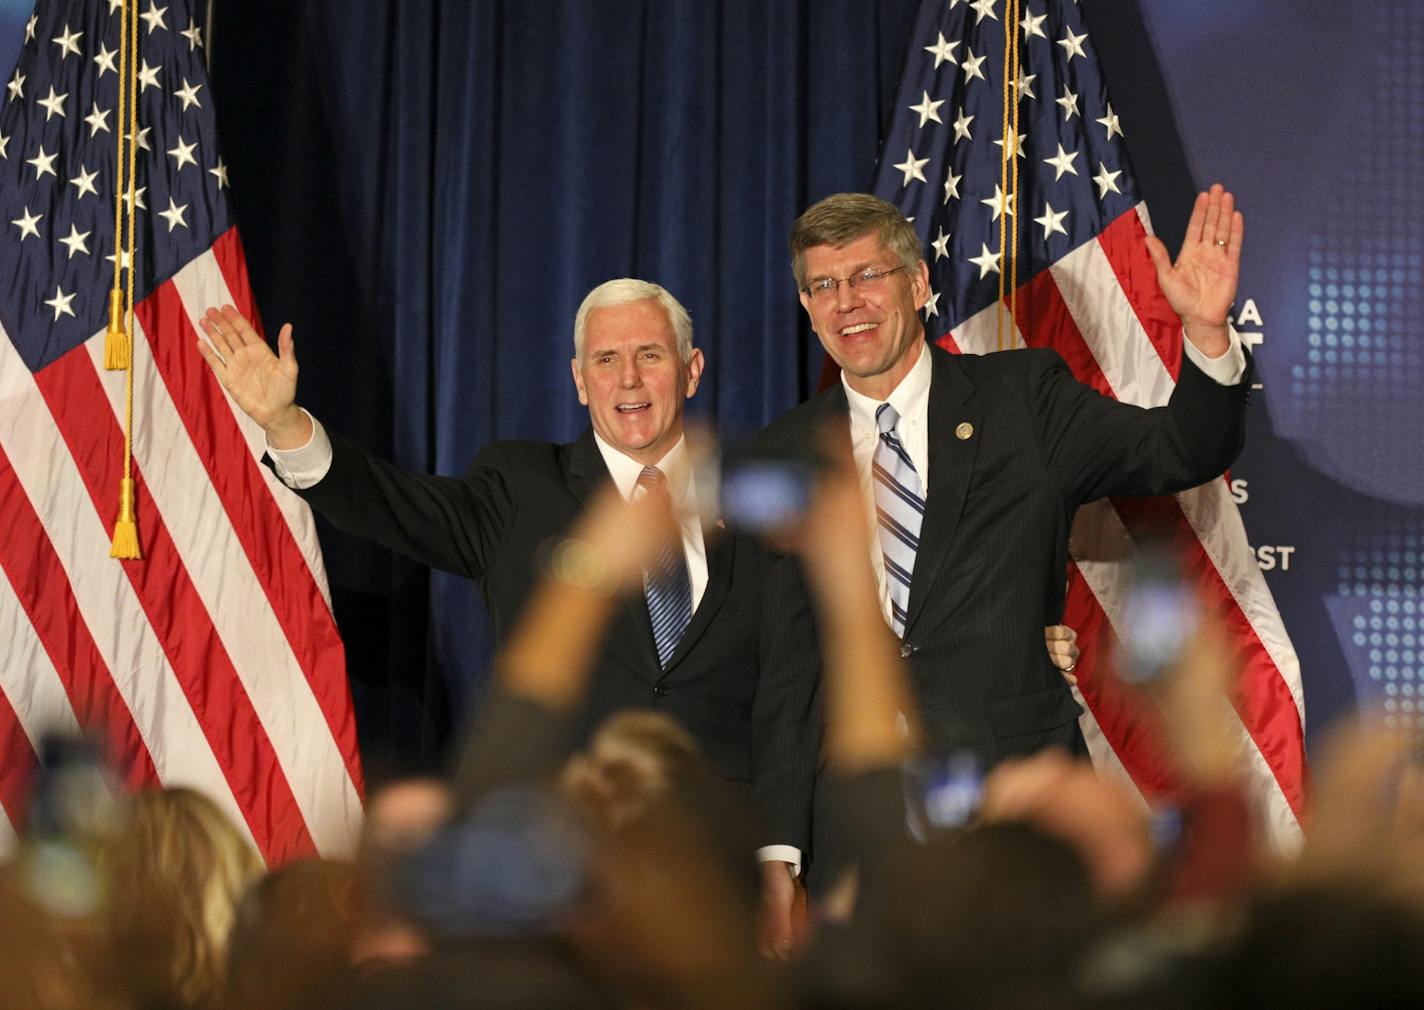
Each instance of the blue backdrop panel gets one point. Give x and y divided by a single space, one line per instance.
1316 119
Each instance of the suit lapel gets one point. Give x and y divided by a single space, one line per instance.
586 475
832 414
586 472
951 463
721 545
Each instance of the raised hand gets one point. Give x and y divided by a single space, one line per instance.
263 384
1201 285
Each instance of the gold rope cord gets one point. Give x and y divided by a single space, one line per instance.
125 545
116 338
1005 156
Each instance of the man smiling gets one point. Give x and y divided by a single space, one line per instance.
973 466
692 648
632 372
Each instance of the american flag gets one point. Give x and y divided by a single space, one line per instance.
1087 288
213 662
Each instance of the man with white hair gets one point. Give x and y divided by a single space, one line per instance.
692 648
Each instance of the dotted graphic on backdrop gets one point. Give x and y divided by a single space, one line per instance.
1364 360
1387 625
1358 332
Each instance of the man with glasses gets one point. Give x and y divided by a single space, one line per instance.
973 466
692 648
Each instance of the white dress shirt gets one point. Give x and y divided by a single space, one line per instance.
682 488
911 400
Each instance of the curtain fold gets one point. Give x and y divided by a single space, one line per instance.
436 187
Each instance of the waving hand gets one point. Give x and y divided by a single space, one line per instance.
1201 285
263 384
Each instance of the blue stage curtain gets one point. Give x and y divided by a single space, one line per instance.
427 190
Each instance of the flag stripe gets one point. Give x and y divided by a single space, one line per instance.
1213 514
1124 243
1091 623
1128 726
177 613
282 573
979 334
1100 524
1109 326
202 288
17 763
240 611
1265 705
42 707
1046 321
50 640
128 646
232 266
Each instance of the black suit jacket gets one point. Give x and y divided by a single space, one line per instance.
747 695
989 574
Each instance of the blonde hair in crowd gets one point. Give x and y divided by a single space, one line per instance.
176 871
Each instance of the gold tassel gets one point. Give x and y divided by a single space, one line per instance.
118 337
118 345
125 546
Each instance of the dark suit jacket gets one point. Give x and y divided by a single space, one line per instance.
747 695
989 574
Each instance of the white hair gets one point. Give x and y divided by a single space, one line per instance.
625 291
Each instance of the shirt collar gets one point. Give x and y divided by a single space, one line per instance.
625 470
908 398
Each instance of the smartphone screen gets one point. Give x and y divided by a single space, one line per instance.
1160 614
765 495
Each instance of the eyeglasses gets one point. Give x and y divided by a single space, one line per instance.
869 279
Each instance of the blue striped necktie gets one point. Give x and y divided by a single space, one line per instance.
900 509
666 583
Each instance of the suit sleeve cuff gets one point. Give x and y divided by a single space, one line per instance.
1227 369
304 466
781 854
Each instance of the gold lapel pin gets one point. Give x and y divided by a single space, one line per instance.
964 431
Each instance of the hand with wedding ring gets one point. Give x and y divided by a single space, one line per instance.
1201 285
1062 643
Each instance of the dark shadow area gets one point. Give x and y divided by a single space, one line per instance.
278 144
1159 156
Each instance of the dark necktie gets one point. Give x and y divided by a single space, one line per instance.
666 583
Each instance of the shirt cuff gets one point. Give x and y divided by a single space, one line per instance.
781 854
306 465
1226 369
